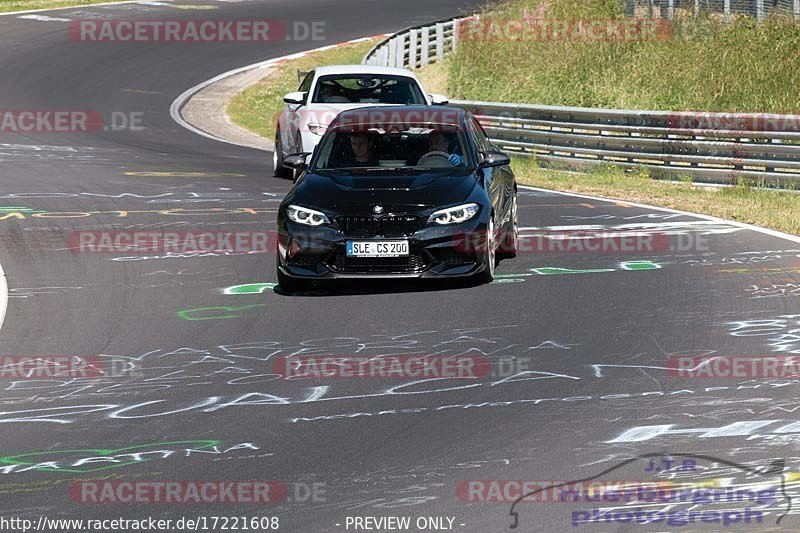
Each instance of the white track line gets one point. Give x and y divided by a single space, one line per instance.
770 232
180 101
3 296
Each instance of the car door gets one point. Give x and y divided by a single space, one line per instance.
493 185
293 118
502 179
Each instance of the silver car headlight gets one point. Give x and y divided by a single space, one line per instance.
303 215
317 129
454 215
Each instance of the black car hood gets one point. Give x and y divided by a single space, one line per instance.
394 190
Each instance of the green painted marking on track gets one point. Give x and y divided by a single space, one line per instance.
640 265
250 288
13 209
189 314
550 271
96 452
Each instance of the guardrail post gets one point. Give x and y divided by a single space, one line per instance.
796 10
726 11
440 40
697 8
760 10
401 51
412 49
425 48
392 59
671 9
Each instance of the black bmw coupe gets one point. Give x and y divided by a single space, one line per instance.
412 192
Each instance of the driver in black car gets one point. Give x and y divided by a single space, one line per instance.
438 142
363 147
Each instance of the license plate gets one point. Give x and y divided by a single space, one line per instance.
377 248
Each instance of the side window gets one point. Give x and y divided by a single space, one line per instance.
306 85
477 137
482 140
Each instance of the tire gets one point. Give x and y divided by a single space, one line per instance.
510 242
489 254
277 158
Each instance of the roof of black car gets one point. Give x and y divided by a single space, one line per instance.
377 115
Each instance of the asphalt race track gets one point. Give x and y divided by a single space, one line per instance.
577 343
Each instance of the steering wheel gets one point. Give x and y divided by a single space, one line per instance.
435 159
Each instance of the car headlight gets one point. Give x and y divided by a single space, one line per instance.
454 215
303 215
317 129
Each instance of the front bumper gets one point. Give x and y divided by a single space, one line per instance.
434 252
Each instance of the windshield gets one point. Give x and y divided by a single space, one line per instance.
421 146
367 89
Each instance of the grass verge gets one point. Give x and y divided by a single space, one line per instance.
7 6
694 64
257 107
779 210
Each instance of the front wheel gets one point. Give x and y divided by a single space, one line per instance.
489 254
277 158
510 243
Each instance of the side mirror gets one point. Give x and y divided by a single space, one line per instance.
296 98
494 159
296 161
438 99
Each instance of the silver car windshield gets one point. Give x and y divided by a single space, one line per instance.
367 89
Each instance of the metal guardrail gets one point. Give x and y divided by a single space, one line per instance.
757 9
417 46
709 147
